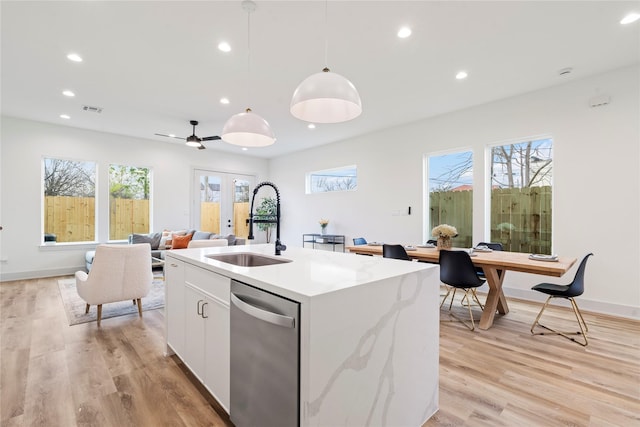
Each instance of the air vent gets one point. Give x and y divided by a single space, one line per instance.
91 109
599 101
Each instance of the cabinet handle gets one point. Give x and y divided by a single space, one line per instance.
199 308
173 265
203 306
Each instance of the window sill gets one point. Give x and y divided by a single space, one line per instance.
67 246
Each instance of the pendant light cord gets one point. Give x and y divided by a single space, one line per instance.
326 35
248 54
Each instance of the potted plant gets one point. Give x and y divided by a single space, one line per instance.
267 210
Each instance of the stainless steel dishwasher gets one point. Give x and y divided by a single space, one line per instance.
265 358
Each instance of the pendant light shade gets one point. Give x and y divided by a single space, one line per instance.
326 97
248 130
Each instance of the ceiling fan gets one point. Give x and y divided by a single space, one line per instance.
193 140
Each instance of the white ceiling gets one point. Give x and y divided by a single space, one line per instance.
154 65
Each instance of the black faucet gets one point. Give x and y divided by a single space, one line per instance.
279 246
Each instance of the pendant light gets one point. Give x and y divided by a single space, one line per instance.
248 129
326 97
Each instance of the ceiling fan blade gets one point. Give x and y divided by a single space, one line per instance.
201 147
211 138
169 136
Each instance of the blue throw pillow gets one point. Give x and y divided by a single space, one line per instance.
201 235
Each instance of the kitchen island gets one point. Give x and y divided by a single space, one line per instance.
368 350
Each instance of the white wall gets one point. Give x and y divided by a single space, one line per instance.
596 180
23 145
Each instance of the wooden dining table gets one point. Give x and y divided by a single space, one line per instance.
494 264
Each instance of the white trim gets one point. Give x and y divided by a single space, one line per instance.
616 310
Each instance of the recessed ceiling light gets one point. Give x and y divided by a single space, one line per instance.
68 93
311 126
629 18
404 32
565 71
244 148
224 101
224 47
74 57
65 116
461 75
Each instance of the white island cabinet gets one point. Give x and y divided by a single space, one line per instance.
368 330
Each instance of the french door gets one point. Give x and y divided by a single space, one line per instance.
221 202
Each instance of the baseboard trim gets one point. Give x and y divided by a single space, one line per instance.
616 310
40 274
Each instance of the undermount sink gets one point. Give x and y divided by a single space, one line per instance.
247 259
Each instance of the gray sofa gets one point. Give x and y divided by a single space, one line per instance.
158 242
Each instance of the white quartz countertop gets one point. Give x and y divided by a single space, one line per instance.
310 273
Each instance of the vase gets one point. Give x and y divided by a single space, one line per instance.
444 242
323 230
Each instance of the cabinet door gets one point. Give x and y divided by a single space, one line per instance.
174 306
194 332
217 350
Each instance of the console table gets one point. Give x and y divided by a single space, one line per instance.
323 239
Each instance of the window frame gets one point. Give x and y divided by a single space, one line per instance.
43 196
489 184
309 177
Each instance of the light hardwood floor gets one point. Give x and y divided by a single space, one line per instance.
53 374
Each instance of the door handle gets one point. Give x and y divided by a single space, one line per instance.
203 306
267 316
199 309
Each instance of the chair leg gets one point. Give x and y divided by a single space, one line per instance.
465 301
139 307
452 298
99 314
581 323
445 295
86 309
473 324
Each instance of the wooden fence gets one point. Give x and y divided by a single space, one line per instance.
72 219
520 217
210 218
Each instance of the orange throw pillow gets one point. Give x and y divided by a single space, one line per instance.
180 242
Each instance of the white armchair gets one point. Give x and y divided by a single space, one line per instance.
119 272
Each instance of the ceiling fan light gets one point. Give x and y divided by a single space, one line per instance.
326 97
193 141
247 130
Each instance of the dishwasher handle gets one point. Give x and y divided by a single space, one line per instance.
267 316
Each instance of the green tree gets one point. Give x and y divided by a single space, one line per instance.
128 182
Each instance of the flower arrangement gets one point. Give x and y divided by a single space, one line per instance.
323 223
444 230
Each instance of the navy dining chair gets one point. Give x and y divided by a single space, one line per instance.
395 251
458 272
568 292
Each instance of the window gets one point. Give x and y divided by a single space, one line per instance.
521 196
129 189
338 179
451 194
69 201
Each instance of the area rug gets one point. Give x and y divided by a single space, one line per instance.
75 306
